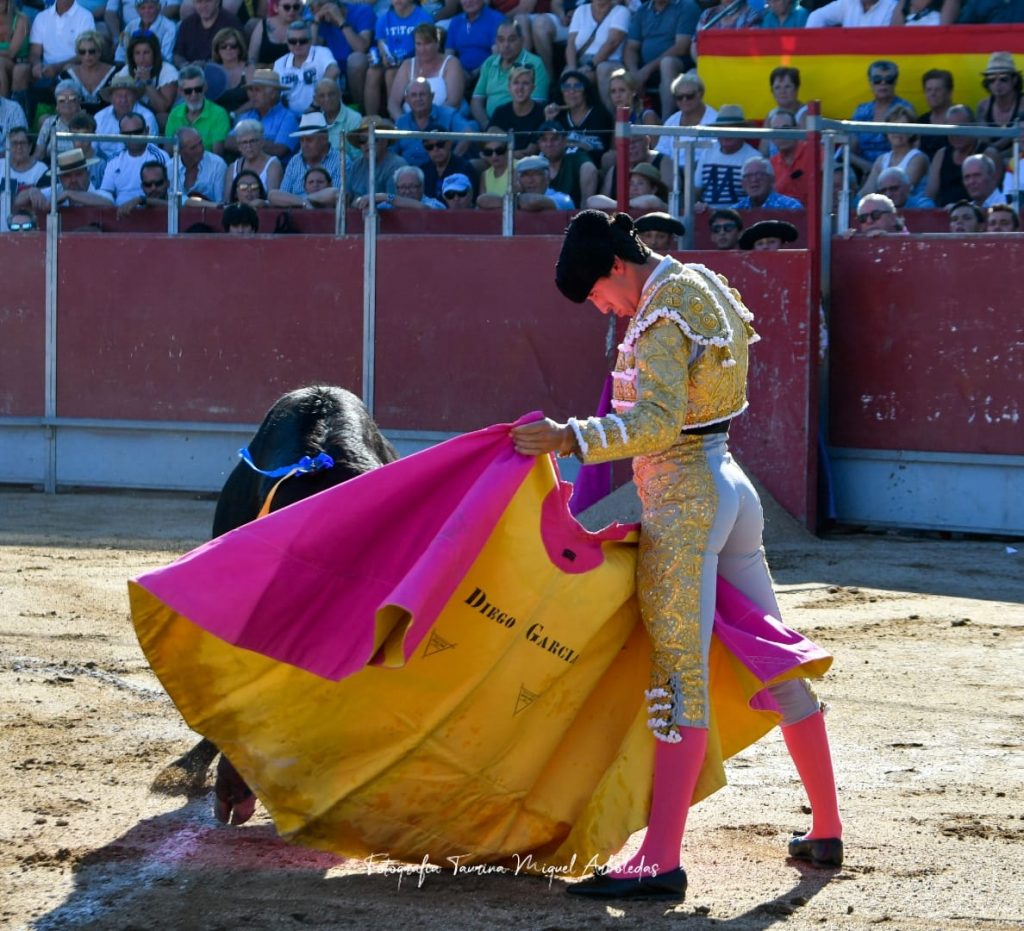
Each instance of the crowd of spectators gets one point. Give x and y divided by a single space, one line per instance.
269 100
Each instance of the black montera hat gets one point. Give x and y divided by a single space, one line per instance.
660 222
588 251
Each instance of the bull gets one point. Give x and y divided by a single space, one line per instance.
311 439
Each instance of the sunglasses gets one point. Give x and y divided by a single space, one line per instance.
67 100
883 79
687 96
998 79
430 146
141 131
225 45
253 141
298 41
191 91
25 227
248 186
490 152
451 195
152 184
891 189
88 51
572 86
871 215
723 227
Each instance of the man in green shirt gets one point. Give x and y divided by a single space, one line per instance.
207 118
491 89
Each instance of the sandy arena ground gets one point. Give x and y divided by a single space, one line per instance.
927 722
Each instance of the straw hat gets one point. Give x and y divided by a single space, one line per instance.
1000 63
121 82
73 160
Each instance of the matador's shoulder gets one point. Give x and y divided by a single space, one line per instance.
697 300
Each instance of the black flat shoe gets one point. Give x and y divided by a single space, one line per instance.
822 851
670 885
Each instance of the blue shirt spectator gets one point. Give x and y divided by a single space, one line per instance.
440 118
359 16
774 201
471 34
395 31
784 14
873 144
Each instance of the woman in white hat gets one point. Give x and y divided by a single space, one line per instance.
1002 107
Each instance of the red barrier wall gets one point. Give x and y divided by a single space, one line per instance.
924 356
22 324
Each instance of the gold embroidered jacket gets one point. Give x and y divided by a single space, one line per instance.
682 364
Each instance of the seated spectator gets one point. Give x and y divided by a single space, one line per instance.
340 119
925 12
14 27
659 231
247 188
69 102
623 91
522 115
315 151
866 147
25 170
726 226
317 191
83 122
229 51
647 191
852 13
194 44
791 163
408 184
207 118
279 123
597 41
12 114
768 236
146 18
123 94
534 192
443 162
457 191
877 216
757 178
784 83
1003 105
425 115
981 181
639 152
393 44
992 11
123 174
52 42
572 173
88 71
472 34
493 88
1002 218
240 219
386 161
157 79
442 72
894 183
495 177
589 124
784 14
202 173
719 168
268 40
74 187
903 153
688 94
303 67
966 217
22 221
155 185
938 94
658 45
945 183
347 30
268 168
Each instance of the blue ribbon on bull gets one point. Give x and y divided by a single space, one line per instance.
305 464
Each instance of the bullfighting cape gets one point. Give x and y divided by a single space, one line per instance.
436 660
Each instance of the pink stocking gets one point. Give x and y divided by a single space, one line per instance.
807 743
676 768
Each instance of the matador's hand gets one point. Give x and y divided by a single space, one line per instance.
543 436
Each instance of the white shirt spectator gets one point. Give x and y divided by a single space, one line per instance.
165 31
718 173
584 24
665 142
298 84
851 13
122 178
57 34
107 124
209 181
26 178
11 115
168 74
996 197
